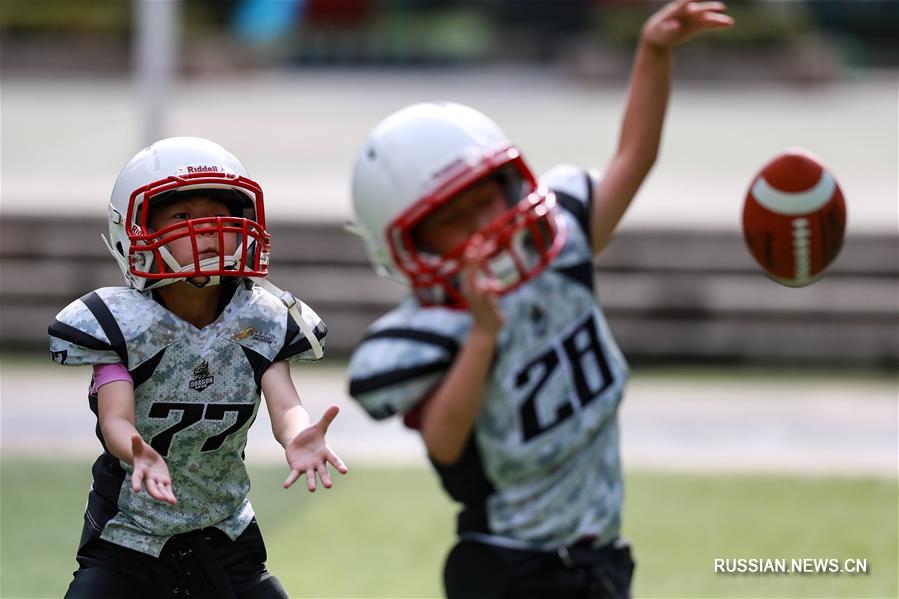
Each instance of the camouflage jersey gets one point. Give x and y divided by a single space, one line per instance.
541 467
196 393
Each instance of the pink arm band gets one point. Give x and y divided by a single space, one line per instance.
107 373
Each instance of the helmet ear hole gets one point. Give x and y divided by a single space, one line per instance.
119 247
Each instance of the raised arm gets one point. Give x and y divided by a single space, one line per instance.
449 415
644 115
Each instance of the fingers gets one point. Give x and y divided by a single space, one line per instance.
327 418
478 249
469 283
291 478
713 19
333 459
470 270
151 471
673 9
320 468
476 253
152 489
709 14
473 284
323 475
161 490
475 271
698 7
168 494
682 20
136 477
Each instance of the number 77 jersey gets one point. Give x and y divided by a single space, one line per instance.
541 468
196 393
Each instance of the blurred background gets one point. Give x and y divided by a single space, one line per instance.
734 375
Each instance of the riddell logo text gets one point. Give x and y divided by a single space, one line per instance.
203 168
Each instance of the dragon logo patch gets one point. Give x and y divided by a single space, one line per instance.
203 378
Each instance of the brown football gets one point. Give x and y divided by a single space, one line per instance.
794 217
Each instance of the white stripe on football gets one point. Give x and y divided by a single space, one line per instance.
794 203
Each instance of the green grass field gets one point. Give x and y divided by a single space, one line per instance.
384 532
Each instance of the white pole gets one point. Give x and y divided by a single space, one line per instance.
155 50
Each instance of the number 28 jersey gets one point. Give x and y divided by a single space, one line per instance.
541 468
196 393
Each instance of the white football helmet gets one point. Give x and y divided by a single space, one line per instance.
419 158
163 171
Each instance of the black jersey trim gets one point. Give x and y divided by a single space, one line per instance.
467 482
303 344
108 323
293 329
582 272
61 330
447 343
93 402
103 499
379 381
142 373
580 210
258 363
588 181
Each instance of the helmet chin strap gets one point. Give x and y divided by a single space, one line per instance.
230 262
207 263
174 266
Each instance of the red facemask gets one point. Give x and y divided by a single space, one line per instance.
252 258
516 246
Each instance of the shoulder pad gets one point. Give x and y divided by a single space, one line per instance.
142 325
573 187
404 356
302 340
302 335
571 180
85 332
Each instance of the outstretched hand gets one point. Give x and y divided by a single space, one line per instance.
151 470
308 453
682 20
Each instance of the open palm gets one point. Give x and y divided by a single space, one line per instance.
308 453
682 20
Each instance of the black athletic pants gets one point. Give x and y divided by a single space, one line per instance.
200 564
476 570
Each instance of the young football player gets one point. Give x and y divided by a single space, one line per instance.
180 357
501 356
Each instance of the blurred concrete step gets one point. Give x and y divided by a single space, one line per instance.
669 295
